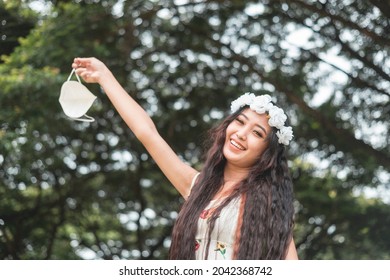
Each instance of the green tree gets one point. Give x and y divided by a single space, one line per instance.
15 23
73 190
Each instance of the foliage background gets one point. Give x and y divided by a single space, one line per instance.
72 190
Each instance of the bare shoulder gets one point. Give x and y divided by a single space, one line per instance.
292 251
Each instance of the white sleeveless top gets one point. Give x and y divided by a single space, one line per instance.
224 233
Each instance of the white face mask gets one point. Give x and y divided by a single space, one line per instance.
76 99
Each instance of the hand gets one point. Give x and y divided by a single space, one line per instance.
91 70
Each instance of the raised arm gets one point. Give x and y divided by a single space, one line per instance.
178 173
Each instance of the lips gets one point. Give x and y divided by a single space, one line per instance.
237 145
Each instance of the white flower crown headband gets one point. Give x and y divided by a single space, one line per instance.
262 104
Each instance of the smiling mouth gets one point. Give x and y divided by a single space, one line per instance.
237 145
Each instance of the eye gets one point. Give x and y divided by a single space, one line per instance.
239 120
258 134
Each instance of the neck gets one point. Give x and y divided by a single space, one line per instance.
234 173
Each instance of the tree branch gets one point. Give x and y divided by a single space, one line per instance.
358 81
350 143
345 47
337 18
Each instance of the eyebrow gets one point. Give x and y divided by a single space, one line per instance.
262 128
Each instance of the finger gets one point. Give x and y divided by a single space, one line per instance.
84 60
77 62
85 75
80 62
79 71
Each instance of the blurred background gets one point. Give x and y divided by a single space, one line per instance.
72 190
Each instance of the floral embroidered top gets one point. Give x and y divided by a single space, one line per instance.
223 234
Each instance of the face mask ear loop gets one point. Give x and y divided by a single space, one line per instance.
87 119
77 76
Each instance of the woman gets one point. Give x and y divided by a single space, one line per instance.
240 206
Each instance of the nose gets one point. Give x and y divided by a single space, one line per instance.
241 134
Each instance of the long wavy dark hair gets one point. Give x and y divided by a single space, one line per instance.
266 215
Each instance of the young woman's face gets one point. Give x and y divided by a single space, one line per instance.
246 138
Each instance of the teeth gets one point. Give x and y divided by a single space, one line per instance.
238 146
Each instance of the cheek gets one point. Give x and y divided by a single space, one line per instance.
258 146
230 126
229 130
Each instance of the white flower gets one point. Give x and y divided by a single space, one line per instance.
261 104
243 100
277 117
285 135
